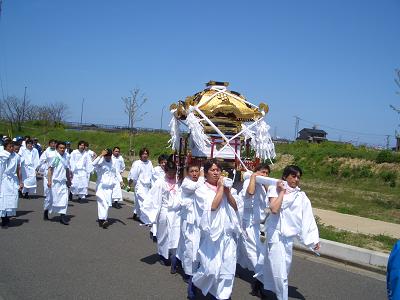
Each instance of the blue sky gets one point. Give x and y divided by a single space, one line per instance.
329 62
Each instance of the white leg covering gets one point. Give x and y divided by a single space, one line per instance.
277 267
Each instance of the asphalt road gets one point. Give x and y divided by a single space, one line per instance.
47 260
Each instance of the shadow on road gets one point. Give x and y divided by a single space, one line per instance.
17 222
151 259
112 221
23 212
57 218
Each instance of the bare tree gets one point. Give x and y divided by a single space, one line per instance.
58 112
14 109
133 105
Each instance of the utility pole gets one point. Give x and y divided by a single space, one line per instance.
296 127
23 107
162 113
83 100
387 141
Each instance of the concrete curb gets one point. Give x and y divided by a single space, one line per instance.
360 257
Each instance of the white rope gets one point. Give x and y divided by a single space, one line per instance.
220 133
238 134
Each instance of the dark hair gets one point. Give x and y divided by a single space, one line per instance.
86 144
28 141
143 150
61 143
291 170
27 137
109 152
162 157
16 143
208 164
170 166
191 165
262 167
52 141
7 142
81 142
116 147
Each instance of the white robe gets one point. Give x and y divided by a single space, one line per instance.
58 193
158 173
161 206
81 167
250 248
190 232
28 172
120 165
107 177
9 163
44 163
141 173
217 252
295 219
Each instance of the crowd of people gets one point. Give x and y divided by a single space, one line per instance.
204 225
201 223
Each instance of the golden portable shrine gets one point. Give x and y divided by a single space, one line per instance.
221 124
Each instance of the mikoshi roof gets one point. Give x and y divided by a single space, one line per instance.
216 101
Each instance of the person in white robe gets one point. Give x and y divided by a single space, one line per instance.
141 175
81 167
58 181
11 182
159 171
31 161
220 226
250 248
161 206
91 153
291 217
117 191
44 163
190 231
108 176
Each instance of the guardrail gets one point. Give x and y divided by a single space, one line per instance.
105 127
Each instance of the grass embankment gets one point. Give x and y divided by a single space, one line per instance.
157 143
347 179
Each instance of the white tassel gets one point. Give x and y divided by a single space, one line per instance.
197 135
261 141
174 132
263 144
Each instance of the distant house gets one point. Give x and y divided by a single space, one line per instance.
312 135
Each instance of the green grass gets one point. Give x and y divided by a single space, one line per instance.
339 177
373 242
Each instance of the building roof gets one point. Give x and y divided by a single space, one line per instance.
313 131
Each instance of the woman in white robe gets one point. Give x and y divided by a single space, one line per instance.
31 158
58 181
190 232
250 247
10 182
108 176
81 167
141 175
291 217
220 227
161 206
